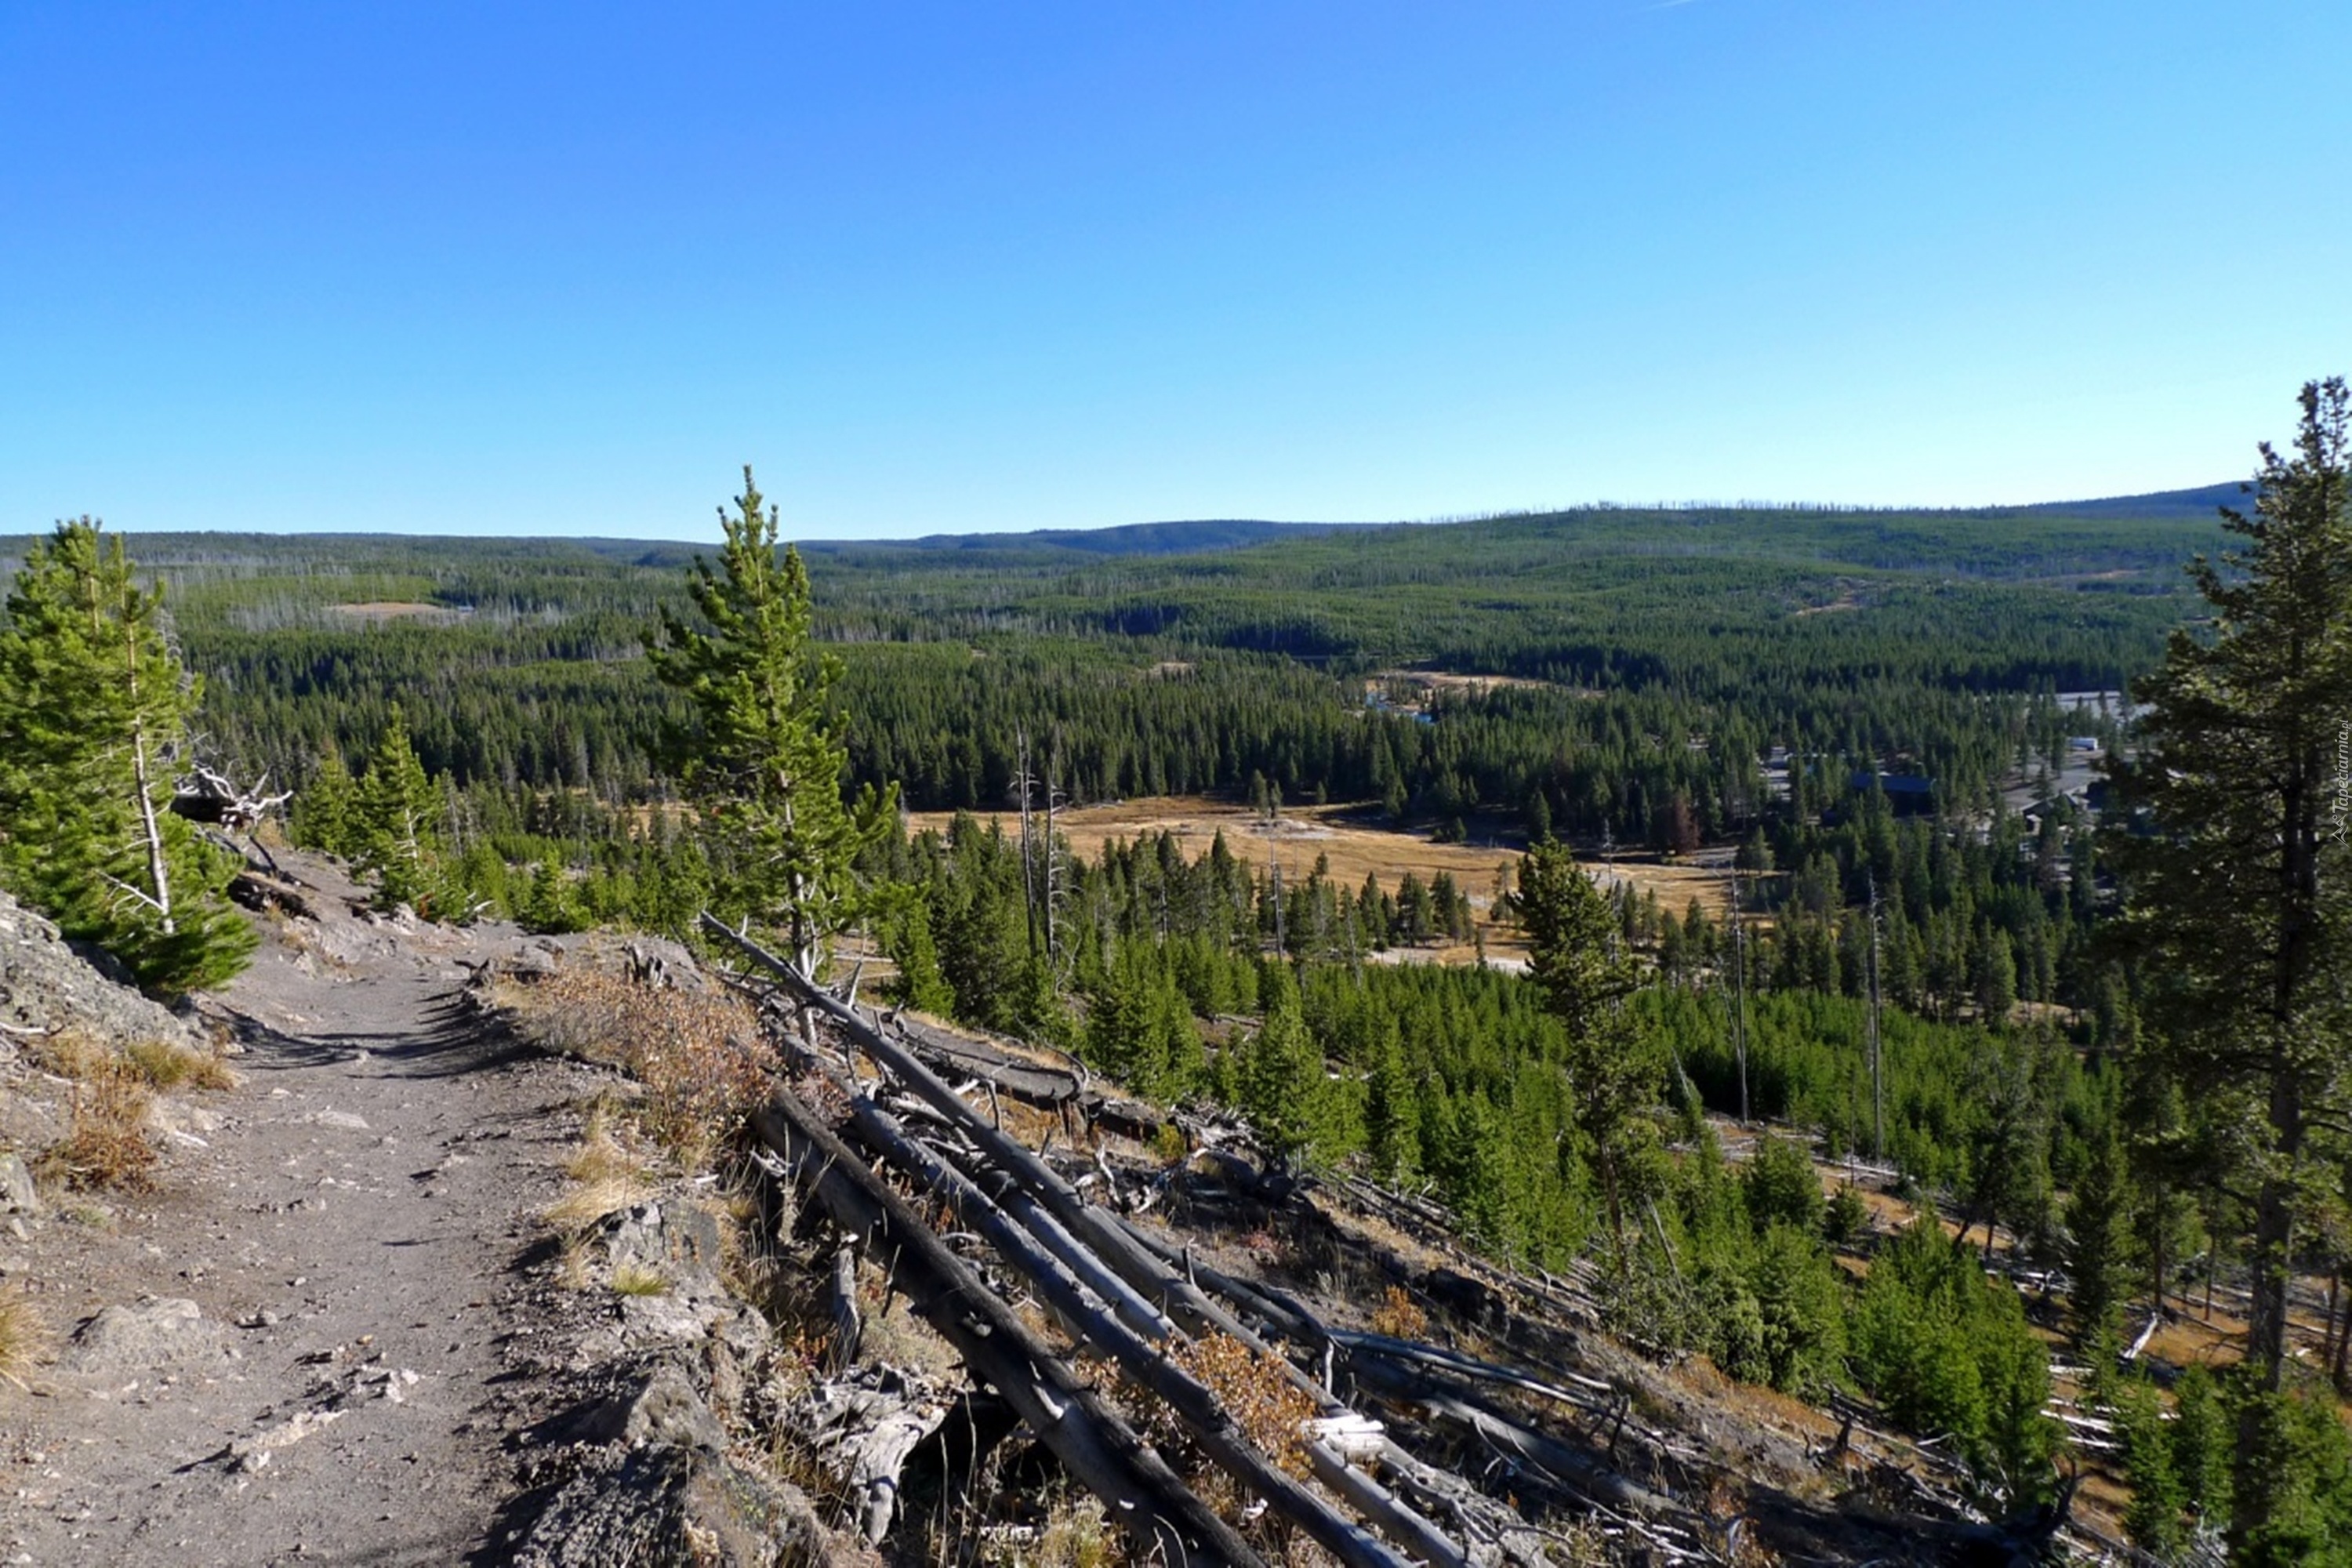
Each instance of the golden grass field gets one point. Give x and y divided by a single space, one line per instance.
1353 845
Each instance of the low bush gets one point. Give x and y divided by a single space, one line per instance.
109 1145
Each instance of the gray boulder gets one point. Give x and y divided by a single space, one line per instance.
660 1407
16 1193
142 1337
663 1505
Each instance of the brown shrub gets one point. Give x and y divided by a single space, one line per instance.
1257 1392
701 1058
108 1146
1399 1316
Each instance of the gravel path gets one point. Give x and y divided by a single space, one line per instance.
353 1224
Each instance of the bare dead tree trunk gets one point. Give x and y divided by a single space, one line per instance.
1024 783
158 870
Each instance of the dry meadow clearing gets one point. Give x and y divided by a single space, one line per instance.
1354 844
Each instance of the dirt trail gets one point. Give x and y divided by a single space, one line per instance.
355 1224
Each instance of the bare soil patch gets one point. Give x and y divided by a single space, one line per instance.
1448 681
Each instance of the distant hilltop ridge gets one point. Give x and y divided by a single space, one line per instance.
1202 536
1195 537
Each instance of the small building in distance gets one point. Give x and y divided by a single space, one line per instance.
1907 794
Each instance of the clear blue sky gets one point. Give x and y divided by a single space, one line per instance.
564 269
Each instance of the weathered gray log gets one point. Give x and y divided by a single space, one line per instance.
208 797
1034 1219
1386 1366
1152 1506
1194 1404
1375 1501
1491 1531
975 1059
260 890
1359 1346
841 1306
1111 1241
1101 1231
1578 1471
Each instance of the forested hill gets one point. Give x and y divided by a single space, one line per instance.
1127 538
2198 504
1876 637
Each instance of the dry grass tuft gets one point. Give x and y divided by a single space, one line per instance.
22 1336
586 1204
701 1058
636 1279
1074 1536
601 1155
108 1146
168 1066
575 1263
74 1054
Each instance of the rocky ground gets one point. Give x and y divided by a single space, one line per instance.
315 1340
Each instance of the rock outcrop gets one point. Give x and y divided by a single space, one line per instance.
48 985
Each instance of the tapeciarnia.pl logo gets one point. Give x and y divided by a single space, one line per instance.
2343 781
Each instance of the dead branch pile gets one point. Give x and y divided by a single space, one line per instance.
1117 1292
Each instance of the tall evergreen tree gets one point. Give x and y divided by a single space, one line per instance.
2096 1232
763 758
399 838
326 813
1613 1077
94 712
2238 906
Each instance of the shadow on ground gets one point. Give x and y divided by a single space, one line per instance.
454 1040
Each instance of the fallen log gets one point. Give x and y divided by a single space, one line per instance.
1090 1318
1359 1346
1492 1533
1039 1223
1576 1471
1112 1241
260 890
211 797
1375 1501
1101 1452
841 1307
1024 1080
1101 1231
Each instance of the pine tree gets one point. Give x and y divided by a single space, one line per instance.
2095 1229
1282 1085
1613 1077
399 829
1393 1117
551 906
763 758
2200 1444
325 815
2238 909
2150 1465
906 923
94 710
